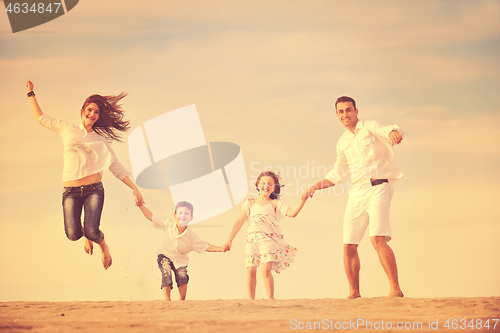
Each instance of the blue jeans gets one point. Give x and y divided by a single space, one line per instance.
91 199
166 267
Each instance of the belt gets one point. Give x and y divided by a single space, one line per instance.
376 182
85 186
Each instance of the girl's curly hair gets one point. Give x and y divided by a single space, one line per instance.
111 116
277 186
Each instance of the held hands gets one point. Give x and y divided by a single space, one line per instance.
395 137
226 246
308 193
139 200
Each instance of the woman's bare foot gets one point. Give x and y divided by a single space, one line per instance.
396 293
88 245
106 255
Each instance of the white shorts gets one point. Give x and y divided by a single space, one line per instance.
370 209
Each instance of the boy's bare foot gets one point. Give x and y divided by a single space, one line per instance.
106 255
396 293
353 296
88 245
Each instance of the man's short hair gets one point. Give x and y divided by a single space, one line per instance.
345 99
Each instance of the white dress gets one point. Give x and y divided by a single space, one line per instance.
265 241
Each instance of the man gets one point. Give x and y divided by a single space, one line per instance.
365 151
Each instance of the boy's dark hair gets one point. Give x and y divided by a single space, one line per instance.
184 204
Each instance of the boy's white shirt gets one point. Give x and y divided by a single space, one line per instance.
176 247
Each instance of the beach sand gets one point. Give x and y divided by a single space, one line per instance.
291 315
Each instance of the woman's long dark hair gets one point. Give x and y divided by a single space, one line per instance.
110 123
277 186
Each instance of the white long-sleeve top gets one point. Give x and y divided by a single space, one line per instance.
85 154
365 155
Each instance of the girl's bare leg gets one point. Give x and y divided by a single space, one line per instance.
251 281
267 274
106 255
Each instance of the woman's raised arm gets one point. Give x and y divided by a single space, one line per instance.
37 112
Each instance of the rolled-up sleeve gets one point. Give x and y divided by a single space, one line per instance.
52 124
199 245
382 131
116 168
341 168
396 128
158 221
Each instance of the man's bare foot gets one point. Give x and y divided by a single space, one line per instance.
353 296
106 255
88 245
396 293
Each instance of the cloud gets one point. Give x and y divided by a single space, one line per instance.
425 21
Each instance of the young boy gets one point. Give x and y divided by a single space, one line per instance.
178 241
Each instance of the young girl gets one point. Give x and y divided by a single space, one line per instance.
265 244
86 154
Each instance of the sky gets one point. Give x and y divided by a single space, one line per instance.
264 75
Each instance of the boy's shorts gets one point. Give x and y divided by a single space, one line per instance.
371 209
166 267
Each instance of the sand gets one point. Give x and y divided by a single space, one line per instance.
377 314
